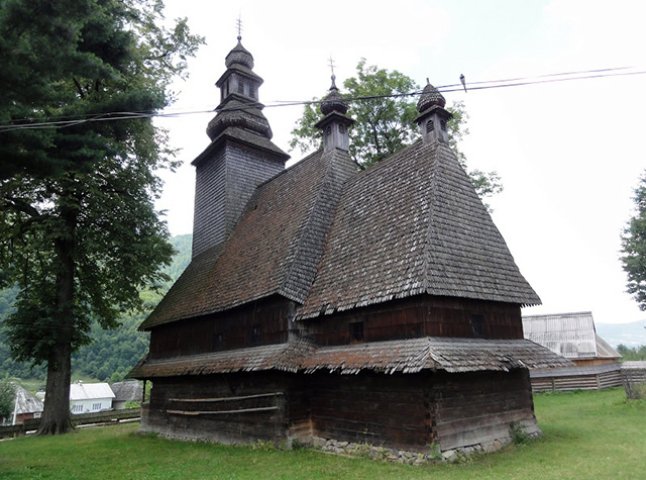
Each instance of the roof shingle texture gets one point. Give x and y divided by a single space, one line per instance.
274 249
414 224
332 240
395 356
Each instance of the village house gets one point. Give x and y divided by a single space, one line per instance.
326 304
90 397
26 407
125 393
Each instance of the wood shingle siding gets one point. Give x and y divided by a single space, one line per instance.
413 224
393 356
274 248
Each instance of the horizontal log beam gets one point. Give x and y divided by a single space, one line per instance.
225 399
220 412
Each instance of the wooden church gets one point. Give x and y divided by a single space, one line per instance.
325 303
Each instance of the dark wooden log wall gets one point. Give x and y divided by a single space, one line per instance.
406 411
252 407
421 316
414 411
232 329
389 410
479 407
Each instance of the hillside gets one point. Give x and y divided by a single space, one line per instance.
630 334
112 353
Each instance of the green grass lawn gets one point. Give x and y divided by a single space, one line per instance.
587 435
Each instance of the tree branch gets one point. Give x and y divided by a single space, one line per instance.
79 88
20 205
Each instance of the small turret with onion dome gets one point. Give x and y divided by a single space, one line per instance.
433 117
335 122
240 56
239 105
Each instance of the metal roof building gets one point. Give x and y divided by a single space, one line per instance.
572 335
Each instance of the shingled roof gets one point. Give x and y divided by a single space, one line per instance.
414 224
410 225
274 249
395 356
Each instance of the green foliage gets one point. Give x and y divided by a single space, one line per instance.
79 234
518 434
111 353
7 397
385 125
634 247
632 353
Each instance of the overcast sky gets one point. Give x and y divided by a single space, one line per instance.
569 154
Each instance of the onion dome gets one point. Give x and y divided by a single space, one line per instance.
430 97
240 56
333 101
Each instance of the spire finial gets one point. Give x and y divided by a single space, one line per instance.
333 77
239 25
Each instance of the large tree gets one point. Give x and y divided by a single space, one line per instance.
79 234
385 109
634 247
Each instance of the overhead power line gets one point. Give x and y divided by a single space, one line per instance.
69 121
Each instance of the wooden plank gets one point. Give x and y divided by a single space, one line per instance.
220 412
225 399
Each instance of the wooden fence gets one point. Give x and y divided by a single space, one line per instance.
596 377
634 374
101 418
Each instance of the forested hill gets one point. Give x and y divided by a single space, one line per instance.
112 353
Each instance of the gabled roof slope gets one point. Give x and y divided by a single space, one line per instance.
25 402
90 391
127 391
572 335
413 224
274 249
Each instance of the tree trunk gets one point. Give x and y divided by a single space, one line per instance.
56 414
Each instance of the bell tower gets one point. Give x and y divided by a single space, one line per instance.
240 156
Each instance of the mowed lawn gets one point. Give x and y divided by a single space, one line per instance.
587 435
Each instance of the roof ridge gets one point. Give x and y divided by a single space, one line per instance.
326 182
426 263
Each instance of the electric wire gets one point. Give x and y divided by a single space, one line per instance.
69 120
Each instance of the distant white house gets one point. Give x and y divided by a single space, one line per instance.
90 397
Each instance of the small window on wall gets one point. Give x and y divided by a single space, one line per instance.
256 334
356 331
430 126
240 88
477 325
